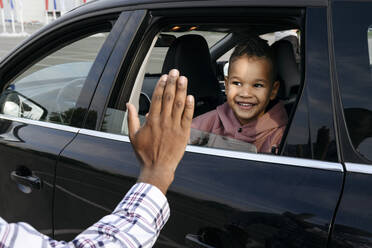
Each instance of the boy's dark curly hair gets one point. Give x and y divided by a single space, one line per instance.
255 47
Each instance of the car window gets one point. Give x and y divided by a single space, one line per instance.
353 53
49 89
208 91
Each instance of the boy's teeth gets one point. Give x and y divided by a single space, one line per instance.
245 104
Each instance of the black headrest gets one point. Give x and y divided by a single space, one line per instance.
190 55
287 66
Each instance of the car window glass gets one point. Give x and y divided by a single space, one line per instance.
49 89
353 51
155 64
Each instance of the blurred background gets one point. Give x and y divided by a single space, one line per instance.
20 18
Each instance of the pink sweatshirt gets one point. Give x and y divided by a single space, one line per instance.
266 132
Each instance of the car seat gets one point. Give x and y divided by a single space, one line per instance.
190 55
288 70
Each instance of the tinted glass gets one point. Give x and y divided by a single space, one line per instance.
49 89
352 42
312 133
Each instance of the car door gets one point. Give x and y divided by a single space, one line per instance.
45 94
220 197
352 53
69 219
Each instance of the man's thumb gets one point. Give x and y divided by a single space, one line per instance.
133 121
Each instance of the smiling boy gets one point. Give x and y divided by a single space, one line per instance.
251 113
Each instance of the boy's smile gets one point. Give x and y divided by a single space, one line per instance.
250 87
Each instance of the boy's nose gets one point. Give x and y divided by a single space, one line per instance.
246 92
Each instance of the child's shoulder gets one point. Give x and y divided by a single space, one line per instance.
209 121
209 116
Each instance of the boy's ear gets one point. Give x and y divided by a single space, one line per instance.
226 84
274 90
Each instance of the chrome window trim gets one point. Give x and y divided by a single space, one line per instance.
41 123
266 158
358 168
99 134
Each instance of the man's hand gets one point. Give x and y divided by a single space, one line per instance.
161 142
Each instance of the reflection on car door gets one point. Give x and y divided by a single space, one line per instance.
29 152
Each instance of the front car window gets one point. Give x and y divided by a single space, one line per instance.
48 90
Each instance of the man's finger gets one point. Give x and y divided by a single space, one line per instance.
180 99
188 113
133 121
169 93
157 96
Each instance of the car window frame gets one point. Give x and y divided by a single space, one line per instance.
153 27
130 25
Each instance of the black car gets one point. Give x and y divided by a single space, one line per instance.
66 160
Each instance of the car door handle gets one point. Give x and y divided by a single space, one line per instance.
193 241
30 180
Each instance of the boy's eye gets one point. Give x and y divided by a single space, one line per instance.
258 85
237 83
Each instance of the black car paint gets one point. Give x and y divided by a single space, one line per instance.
201 199
206 198
29 150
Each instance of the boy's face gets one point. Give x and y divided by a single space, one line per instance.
249 87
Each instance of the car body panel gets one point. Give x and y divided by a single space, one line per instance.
352 226
206 196
33 150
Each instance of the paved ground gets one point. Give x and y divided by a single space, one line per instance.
84 50
10 41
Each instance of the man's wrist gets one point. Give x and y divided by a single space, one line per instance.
156 177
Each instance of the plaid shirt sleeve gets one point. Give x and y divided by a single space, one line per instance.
136 222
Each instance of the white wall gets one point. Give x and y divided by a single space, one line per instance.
34 10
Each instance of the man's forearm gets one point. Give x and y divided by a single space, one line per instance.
136 221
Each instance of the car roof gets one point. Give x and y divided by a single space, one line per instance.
155 4
110 6
98 7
